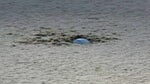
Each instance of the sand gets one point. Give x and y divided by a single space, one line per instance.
123 61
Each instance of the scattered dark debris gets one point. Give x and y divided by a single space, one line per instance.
43 83
40 34
13 45
73 31
9 34
83 27
62 38
94 18
45 28
114 33
104 29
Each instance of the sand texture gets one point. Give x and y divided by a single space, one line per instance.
36 42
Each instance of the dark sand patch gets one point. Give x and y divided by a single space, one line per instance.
61 37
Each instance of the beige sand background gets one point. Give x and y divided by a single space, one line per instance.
125 61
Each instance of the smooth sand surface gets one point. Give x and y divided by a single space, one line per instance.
125 61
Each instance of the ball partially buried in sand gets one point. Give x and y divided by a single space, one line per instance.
81 41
